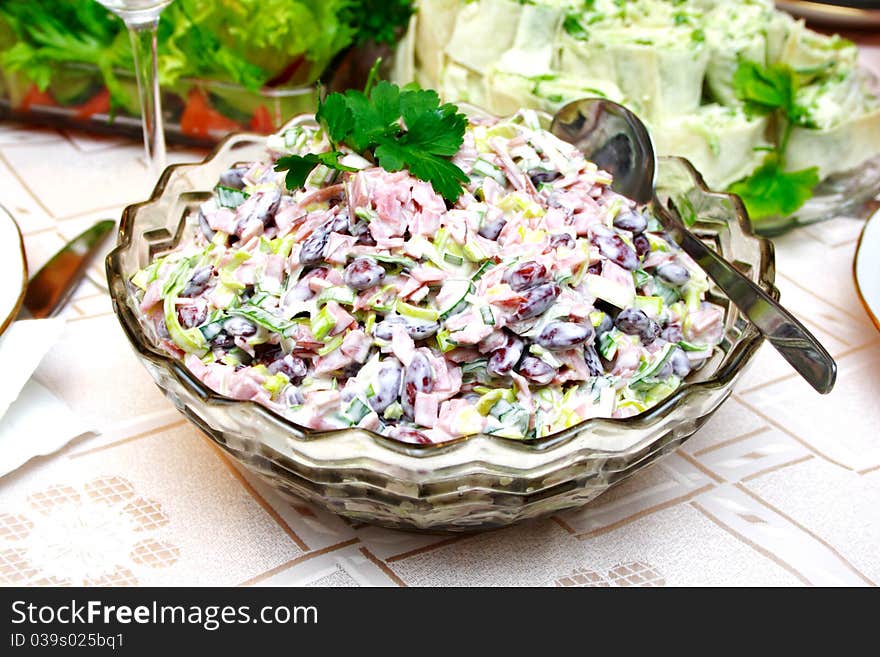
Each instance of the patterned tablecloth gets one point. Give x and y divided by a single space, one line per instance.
782 486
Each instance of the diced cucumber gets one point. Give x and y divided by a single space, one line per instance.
668 294
190 340
481 270
416 311
607 346
341 294
453 259
356 411
640 277
394 411
444 342
403 261
367 214
332 345
454 292
212 329
474 252
652 306
489 170
486 314
616 294
689 346
322 323
649 371
228 197
262 317
487 402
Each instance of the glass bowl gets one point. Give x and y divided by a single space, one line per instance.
476 482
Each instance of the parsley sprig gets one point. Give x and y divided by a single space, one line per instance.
771 190
398 128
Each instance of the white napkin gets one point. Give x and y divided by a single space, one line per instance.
33 422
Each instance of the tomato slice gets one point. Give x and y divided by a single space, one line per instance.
199 119
97 104
36 97
261 121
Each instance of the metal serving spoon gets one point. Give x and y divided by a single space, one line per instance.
617 140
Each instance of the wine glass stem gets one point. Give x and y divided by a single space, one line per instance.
143 44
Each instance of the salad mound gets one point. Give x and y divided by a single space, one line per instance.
538 299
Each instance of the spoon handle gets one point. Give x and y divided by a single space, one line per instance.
789 337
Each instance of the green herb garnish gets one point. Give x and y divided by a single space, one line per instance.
771 190
399 128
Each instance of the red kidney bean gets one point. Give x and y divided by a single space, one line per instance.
641 244
505 358
292 366
672 333
535 301
363 273
421 330
191 316
681 364
558 336
233 177
537 370
631 221
616 250
205 227
541 177
387 385
417 377
312 250
526 275
197 282
562 239
673 274
594 363
632 321
239 326
492 229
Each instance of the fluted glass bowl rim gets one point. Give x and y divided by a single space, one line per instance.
733 364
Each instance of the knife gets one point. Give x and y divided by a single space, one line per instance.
52 286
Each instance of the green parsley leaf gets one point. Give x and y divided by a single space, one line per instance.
370 124
299 167
385 97
444 176
770 191
438 132
333 113
765 89
414 102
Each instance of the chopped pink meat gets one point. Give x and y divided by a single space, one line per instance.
342 318
356 345
338 248
402 346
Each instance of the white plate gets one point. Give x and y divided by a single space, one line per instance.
831 15
13 269
867 268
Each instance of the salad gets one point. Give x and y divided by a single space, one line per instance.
76 54
531 299
761 105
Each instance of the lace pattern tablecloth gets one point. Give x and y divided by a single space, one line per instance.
780 488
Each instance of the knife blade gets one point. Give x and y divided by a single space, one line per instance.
53 284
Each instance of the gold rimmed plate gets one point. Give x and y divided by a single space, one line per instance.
13 269
852 14
866 268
